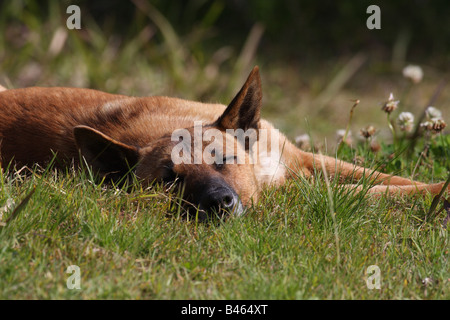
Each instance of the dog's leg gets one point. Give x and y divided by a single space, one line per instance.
306 163
342 169
2 88
382 190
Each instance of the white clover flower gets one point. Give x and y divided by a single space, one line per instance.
390 105
340 133
8 205
427 125
303 141
414 73
302 138
433 113
406 121
340 136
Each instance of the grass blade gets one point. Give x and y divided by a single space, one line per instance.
21 206
436 199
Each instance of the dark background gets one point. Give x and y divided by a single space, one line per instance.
297 29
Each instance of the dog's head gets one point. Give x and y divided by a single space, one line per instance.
210 162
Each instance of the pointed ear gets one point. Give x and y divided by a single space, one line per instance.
106 155
244 111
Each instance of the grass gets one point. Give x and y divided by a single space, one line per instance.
288 246
305 240
302 241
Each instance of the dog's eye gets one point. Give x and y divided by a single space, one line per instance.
220 166
226 160
169 175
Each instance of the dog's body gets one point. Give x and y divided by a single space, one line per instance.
115 133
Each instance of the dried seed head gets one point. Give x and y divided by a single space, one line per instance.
438 125
414 73
406 121
390 105
368 131
434 125
375 146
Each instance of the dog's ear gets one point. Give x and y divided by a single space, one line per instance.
106 155
244 111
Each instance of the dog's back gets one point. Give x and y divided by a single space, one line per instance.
36 122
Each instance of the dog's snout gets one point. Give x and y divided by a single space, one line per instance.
221 201
223 198
228 201
212 198
217 198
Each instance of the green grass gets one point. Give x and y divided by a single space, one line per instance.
302 241
129 245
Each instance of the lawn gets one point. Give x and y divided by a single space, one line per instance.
137 245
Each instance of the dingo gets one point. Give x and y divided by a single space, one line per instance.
157 137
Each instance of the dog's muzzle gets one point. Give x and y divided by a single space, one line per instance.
216 199
221 201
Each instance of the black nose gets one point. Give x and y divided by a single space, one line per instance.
222 201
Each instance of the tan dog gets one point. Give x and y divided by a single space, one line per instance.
115 133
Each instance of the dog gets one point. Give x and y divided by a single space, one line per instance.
152 137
